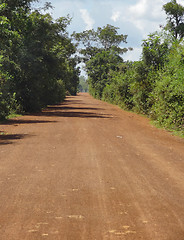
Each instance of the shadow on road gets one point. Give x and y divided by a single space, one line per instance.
22 121
9 138
60 107
72 114
63 110
67 102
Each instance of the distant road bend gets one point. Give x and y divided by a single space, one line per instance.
87 170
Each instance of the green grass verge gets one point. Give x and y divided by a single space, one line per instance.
175 132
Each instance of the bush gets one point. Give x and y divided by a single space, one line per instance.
4 96
118 91
168 94
141 87
4 111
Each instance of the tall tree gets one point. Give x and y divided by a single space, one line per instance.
155 50
175 18
101 51
106 38
98 70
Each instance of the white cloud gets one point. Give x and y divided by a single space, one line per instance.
133 55
147 15
115 16
139 9
180 2
148 9
87 19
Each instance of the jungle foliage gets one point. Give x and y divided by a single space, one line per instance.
153 86
37 63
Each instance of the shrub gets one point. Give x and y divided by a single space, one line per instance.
118 91
141 86
168 94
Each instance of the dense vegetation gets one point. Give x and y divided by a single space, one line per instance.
37 63
154 85
101 54
83 85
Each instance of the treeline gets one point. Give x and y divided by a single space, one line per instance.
151 89
83 85
37 63
153 86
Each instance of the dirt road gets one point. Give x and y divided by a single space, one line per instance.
86 170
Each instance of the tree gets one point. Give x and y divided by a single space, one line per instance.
175 18
83 85
98 69
36 57
106 38
155 50
102 53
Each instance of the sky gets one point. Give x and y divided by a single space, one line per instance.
135 18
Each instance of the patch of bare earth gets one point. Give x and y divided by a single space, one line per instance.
86 170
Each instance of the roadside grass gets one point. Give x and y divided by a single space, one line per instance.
175 132
13 115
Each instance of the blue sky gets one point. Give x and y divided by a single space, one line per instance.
135 18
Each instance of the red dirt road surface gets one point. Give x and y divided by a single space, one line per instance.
87 170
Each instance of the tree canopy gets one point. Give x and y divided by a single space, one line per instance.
175 18
37 62
103 39
102 52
